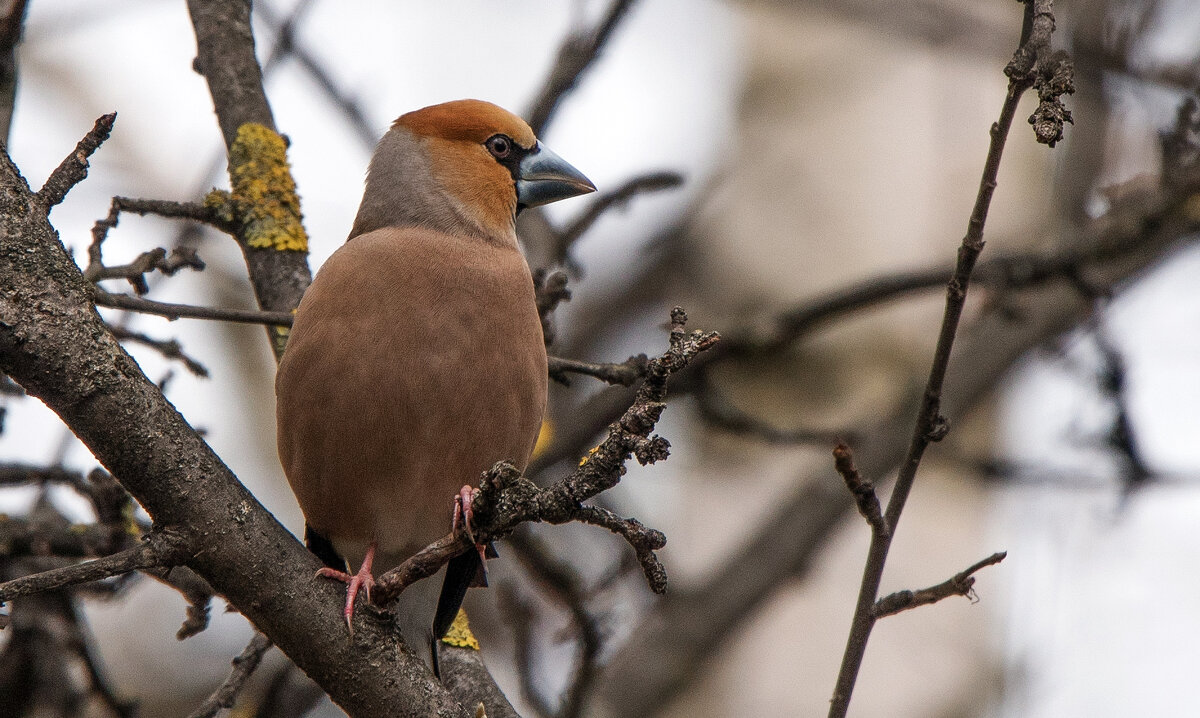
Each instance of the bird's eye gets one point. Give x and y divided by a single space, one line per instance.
499 146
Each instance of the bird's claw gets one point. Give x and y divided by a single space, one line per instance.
463 512
363 580
463 515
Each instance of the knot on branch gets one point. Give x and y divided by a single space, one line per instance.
939 428
1055 78
263 201
861 488
648 451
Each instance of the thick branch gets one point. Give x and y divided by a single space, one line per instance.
225 56
626 373
57 347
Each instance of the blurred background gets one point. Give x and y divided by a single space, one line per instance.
822 144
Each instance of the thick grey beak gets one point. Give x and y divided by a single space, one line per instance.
544 177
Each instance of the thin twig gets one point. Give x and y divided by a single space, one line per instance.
861 488
18 474
1037 26
169 348
176 311
721 413
506 499
550 290
243 667
563 583
74 167
960 584
158 550
626 373
642 184
286 46
520 615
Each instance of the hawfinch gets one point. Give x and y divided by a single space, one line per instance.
416 360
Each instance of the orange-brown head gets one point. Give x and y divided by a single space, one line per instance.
462 167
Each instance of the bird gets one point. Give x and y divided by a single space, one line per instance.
416 358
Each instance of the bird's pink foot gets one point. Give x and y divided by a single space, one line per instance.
362 580
462 511
463 514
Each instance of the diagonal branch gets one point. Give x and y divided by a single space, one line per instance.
74 167
506 499
56 346
575 56
244 666
930 425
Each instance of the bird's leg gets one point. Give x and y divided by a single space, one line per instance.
462 512
361 580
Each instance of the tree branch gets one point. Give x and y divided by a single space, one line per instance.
161 550
176 311
55 345
74 167
274 242
960 584
931 426
575 55
506 499
1141 230
244 666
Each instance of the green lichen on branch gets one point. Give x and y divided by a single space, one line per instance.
263 202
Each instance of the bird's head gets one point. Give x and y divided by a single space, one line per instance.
461 166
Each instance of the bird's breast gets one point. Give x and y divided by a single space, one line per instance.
415 363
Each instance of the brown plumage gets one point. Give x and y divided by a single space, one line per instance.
416 360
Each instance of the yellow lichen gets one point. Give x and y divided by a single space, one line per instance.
591 452
220 201
460 633
264 194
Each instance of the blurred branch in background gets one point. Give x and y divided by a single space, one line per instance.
12 24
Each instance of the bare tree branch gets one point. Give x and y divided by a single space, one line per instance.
244 666
575 55
506 499
626 373
157 550
960 584
74 167
1141 230
176 311
931 425
274 242
168 348
56 346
